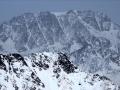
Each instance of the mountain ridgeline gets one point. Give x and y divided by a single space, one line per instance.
91 39
47 71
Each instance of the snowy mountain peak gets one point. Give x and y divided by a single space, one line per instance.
47 71
90 38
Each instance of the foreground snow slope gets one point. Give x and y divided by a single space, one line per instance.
47 71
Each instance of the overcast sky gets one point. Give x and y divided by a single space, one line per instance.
10 8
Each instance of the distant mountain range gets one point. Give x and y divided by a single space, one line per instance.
90 39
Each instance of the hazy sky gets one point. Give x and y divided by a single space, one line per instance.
10 8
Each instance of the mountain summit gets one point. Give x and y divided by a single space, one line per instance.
91 39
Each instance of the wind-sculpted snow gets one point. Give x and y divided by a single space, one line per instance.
47 71
91 39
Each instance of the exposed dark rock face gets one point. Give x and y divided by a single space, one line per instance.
12 57
64 62
2 65
100 77
36 80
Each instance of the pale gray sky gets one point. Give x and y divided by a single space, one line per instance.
10 8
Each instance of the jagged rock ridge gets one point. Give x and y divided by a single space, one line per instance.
47 71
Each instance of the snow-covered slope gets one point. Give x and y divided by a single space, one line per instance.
47 71
91 39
